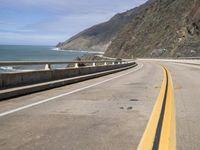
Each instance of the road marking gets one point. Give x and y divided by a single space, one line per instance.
65 94
160 133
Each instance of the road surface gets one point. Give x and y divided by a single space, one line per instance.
106 113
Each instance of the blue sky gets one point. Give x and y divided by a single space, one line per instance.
46 22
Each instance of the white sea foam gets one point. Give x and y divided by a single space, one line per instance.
75 51
95 52
12 69
7 68
4 69
56 49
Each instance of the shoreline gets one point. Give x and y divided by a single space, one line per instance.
83 51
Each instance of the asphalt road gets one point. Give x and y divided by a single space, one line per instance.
106 113
186 80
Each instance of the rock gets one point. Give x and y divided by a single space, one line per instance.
158 28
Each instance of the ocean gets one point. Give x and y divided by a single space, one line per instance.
34 53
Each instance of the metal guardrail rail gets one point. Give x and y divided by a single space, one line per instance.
48 64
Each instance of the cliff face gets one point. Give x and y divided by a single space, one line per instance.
159 28
99 37
190 46
165 28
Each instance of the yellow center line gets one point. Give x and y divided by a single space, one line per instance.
168 134
160 133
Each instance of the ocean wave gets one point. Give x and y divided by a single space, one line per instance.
92 52
75 51
56 49
7 68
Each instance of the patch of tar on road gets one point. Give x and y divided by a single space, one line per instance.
121 107
129 103
129 108
134 100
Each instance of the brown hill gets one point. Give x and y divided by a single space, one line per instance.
164 28
159 28
99 37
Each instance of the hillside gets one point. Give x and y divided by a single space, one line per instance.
99 37
165 28
159 28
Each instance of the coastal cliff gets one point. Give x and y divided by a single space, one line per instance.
158 28
99 37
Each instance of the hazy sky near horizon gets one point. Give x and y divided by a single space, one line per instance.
46 22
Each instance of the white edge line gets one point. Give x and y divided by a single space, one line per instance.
65 94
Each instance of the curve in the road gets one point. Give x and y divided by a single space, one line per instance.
65 94
160 133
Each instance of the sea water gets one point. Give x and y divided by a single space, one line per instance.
34 53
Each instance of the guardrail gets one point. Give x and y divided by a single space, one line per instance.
22 78
183 61
170 58
48 64
189 58
21 83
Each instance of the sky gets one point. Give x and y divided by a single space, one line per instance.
47 22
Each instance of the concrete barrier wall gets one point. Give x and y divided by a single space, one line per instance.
185 61
10 80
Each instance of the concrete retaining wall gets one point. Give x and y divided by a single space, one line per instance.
184 61
10 80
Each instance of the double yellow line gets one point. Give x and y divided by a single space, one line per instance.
160 133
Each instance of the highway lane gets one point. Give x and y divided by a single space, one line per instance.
186 79
186 84
111 115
